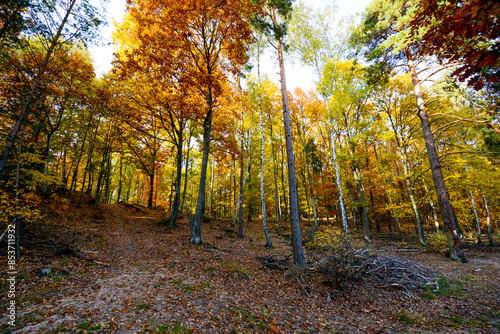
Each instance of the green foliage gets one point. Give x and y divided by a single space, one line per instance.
436 243
446 287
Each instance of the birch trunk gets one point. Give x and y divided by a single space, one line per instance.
345 227
269 243
488 219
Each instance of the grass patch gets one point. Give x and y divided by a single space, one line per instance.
406 318
175 328
446 287
84 325
176 281
91 264
236 269
142 306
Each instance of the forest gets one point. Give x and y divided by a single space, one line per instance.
185 147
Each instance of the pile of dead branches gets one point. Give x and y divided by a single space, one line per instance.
393 271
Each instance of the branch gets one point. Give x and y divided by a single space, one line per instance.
460 119
471 152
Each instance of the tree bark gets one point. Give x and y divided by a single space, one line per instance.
200 204
456 249
298 252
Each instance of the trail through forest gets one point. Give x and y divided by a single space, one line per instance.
131 275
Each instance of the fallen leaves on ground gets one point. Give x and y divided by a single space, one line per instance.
143 278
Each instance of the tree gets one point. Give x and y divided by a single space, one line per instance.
78 22
466 32
317 41
384 35
273 24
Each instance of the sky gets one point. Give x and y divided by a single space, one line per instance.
296 75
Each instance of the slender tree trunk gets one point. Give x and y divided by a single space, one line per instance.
343 214
316 225
362 200
102 173
276 195
285 200
456 249
488 219
200 205
243 178
186 174
211 189
269 243
298 252
75 173
170 222
120 177
353 209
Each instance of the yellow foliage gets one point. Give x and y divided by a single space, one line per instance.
28 202
329 237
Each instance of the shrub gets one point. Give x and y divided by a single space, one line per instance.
340 263
436 243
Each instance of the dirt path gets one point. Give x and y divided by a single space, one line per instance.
157 282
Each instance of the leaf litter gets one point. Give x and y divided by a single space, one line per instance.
124 273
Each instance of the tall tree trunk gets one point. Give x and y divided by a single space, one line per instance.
298 252
456 249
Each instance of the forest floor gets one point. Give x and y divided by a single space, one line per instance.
132 275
